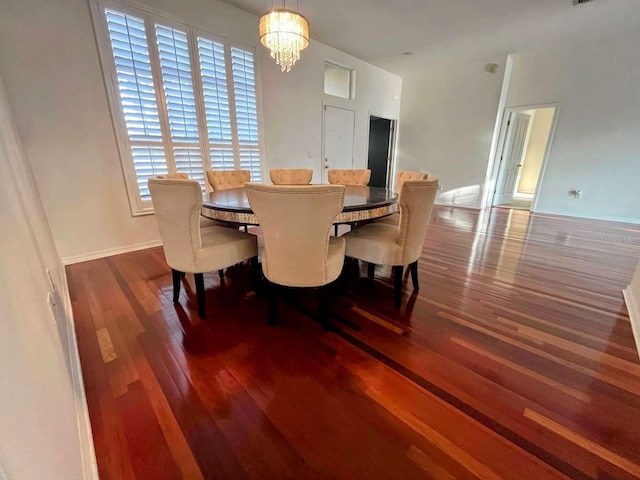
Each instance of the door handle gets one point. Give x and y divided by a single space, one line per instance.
520 165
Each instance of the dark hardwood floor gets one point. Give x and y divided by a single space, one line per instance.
516 360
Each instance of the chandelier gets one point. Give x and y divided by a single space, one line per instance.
286 33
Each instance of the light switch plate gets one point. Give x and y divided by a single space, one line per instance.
52 287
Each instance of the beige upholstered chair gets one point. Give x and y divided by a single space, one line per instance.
401 177
174 176
187 247
400 245
404 176
349 177
226 179
204 222
291 176
298 248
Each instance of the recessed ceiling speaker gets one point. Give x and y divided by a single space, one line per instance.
492 67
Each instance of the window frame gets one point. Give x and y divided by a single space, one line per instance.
352 79
151 17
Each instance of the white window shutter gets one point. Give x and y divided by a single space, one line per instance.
244 87
179 113
189 160
137 96
250 160
148 162
222 159
173 50
216 96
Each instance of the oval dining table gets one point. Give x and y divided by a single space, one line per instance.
360 203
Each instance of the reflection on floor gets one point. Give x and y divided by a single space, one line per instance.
515 360
518 204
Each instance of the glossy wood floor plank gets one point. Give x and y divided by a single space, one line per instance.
514 361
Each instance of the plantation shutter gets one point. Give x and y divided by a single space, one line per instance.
137 96
216 102
187 100
180 101
244 87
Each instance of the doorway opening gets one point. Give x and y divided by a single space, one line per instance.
381 145
523 147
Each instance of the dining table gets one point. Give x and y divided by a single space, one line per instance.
361 203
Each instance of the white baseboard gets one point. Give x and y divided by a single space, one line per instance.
589 217
633 306
109 252
87 451
445 204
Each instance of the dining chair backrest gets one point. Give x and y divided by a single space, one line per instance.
177 204
416 204
349 177
296 223
226 179
291 176
174 176
403 176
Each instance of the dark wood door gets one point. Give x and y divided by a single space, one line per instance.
379 142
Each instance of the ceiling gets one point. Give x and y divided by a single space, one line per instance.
378 31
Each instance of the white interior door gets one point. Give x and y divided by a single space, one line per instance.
339 129
511 158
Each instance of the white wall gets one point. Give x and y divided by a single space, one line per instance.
293 107
42 403
596 147
446 127
49 58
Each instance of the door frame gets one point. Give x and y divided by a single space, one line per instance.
391 168
494 168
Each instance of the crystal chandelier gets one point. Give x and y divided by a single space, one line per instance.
286 33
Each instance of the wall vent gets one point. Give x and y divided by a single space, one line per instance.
579 2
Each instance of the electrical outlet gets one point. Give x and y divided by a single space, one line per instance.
52 287
310 155
575 193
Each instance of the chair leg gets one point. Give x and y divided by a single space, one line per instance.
397 285
335 229
255 271
177 276
371 270
246 229
323 307
414 276
199 277
274 293
221 274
